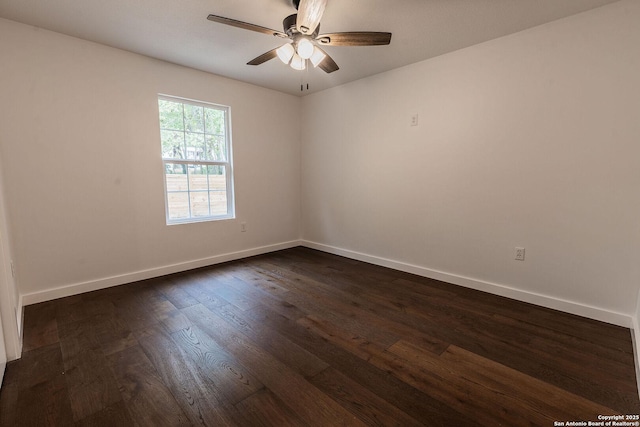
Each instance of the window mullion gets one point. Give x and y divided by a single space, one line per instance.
206 166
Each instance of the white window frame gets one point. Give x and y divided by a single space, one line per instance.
228 164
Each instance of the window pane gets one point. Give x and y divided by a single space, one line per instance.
198 178
193 118
170 115
218 200
176 176
172 144
199 203
218 190
178 205
216 148
217 178
195 145
214 121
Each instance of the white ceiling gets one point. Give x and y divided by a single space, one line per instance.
178 31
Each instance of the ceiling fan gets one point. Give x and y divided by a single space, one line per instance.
303 29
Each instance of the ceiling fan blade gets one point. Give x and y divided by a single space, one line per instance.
309 15
358 38
246 26
328 65
264 57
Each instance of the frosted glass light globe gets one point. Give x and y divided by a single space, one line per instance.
285 53
305 48
298 63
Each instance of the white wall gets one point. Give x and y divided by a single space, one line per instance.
530 140
79 138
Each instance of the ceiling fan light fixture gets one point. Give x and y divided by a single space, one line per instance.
305 48
317 57
298 63
303 30
285 53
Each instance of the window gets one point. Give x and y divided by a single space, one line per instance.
196 153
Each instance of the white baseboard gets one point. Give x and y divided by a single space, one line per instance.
107 282
591 312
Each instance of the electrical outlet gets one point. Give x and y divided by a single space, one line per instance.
414 120
519 254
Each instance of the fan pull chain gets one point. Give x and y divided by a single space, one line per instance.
304 76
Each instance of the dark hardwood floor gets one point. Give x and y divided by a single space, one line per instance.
303 338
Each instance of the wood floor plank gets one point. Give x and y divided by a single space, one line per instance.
134 312
439 381
41 325
147 398
496 388
538 395
173 288
395 320
225 285
176 321
9 399
212 284
200 398
313 406
200 289
247 275
44 404
112 333
606 372
434 380
353 343
156 304
367 406
39 365
91 385
408 308
37 393
234 381
294 356
264 409
116 414
487 337
379 381
314 298
80 307
619 355
261 290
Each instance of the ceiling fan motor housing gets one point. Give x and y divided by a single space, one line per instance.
289 26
